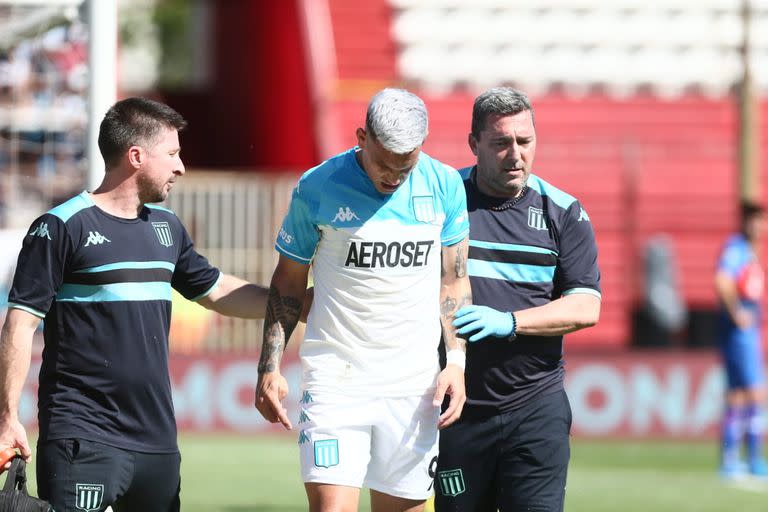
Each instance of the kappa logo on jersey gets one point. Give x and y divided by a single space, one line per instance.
345 215
163 232
451 482
327 453
88 496
537 219
393 254
41 231
424 208
583 215
95 238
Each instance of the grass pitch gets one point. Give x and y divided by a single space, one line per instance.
261 474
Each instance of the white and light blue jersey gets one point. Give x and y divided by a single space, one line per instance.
374 323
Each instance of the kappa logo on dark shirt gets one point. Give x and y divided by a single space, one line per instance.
96 238
41 230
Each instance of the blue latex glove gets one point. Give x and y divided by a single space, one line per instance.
487 321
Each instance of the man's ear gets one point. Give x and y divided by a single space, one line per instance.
472 141
136 156
362 137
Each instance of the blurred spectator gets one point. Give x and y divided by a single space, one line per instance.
43 117
663 312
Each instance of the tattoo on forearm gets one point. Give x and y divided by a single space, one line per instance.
448 308
461 260
279 323
453 340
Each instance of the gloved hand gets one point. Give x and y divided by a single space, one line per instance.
487 321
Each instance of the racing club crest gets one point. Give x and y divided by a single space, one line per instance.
424 208
451 482
88 496
163 232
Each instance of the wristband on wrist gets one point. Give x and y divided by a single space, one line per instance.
457 357
513 335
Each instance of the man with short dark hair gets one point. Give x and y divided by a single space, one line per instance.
533 268
99 269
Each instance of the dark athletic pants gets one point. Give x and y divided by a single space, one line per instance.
74 475
514 461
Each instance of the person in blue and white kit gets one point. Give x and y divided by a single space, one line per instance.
384 228
739 285
533 268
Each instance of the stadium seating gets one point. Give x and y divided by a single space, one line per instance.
623 45
634 112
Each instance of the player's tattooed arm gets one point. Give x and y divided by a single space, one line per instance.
279 322
455 292
284 304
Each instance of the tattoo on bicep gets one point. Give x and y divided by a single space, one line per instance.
280 320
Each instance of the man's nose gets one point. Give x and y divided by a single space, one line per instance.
513 153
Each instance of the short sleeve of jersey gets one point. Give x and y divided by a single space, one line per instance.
732 259
298 235
41 266
577 270
456 226
194 277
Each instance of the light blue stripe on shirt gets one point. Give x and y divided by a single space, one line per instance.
510 247
515 272
209 290
587 291
114 292
128 265
13 305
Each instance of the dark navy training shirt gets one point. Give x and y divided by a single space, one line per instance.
523 253
103 286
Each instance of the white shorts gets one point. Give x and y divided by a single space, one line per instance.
386 444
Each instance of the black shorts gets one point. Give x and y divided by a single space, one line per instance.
74 475
513 461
